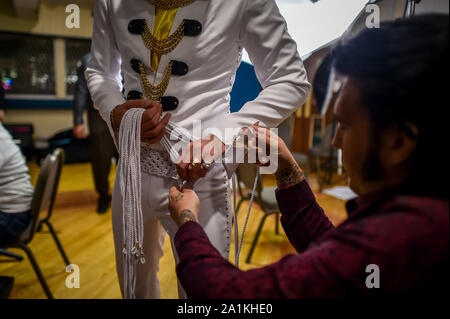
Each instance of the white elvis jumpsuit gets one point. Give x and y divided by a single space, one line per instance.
196 73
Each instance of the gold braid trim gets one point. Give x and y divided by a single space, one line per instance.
170 4
163 46
152 92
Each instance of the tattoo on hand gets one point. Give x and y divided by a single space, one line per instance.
179 197
187 216
289 176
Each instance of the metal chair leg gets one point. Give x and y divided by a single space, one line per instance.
276 223
319 178
39 227
37 270
239 205
255 240
10 254
58 243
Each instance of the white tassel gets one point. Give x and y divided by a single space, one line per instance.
130 188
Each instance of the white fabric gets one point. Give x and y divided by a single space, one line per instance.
203 93
156 162
130 188
215 217
212 57
16 192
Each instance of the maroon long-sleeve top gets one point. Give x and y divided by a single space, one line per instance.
405 236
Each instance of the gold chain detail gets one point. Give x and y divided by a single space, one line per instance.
152 92
170 4
163 46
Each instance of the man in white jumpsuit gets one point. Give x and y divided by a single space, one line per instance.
185 54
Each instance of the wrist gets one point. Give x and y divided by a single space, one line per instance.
285 157
289 174
186 216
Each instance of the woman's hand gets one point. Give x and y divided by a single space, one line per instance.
288 172
184 205
272 142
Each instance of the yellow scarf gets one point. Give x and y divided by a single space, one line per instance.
161 30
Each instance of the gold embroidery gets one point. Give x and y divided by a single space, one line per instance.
163 46
170 4
152 92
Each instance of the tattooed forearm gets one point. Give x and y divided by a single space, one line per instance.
186 216
289 176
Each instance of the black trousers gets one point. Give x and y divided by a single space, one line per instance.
101 150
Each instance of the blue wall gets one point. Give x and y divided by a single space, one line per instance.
246 86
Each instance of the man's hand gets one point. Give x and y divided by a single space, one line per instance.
79 131
192 164
184 205
152 129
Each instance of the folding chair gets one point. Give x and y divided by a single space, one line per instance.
59 154
265 197
44 193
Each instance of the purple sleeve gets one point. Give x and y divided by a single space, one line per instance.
322 271
302 218
204 273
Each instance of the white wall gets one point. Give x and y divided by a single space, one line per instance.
432 6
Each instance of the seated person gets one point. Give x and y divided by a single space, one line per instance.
390 129
16 192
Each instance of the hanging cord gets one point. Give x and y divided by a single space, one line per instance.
130 187
173 132
237 244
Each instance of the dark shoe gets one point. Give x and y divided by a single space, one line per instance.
103 205
6 285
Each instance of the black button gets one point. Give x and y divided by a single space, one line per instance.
134 95
135 65
169 103
179 68
136 26
192 28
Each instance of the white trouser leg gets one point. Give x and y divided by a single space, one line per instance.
215 214
147 284
215 217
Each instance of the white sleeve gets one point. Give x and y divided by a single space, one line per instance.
278 67
103 70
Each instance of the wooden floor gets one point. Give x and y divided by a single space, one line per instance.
88 241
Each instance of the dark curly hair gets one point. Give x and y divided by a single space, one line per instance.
401 71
